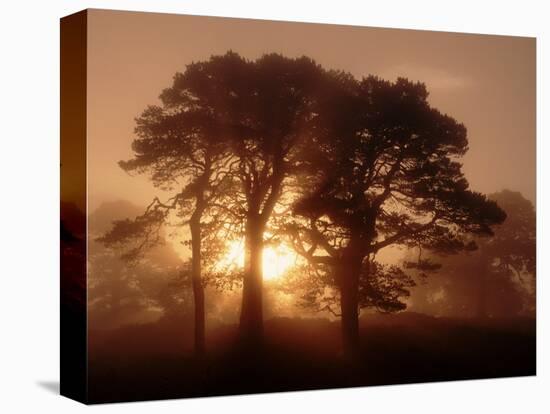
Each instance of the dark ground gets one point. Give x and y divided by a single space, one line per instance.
143 362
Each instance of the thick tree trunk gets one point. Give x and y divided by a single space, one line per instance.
198 289
348 277
251 322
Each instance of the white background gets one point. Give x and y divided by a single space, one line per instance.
29 207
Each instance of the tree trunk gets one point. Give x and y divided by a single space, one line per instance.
251 322
198 289
348 277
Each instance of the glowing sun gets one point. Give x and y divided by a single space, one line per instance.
276 259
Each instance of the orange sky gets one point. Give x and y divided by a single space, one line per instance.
486 82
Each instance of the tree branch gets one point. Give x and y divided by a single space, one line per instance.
402 234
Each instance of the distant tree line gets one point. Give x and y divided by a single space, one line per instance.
495 280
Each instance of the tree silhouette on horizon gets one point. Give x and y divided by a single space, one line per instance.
181 150
262 106
386 172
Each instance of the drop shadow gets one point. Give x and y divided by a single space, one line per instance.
51 386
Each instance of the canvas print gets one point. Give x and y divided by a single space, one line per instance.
255 206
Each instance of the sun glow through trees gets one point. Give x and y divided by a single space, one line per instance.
276 259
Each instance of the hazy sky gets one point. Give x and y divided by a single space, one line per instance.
485 82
